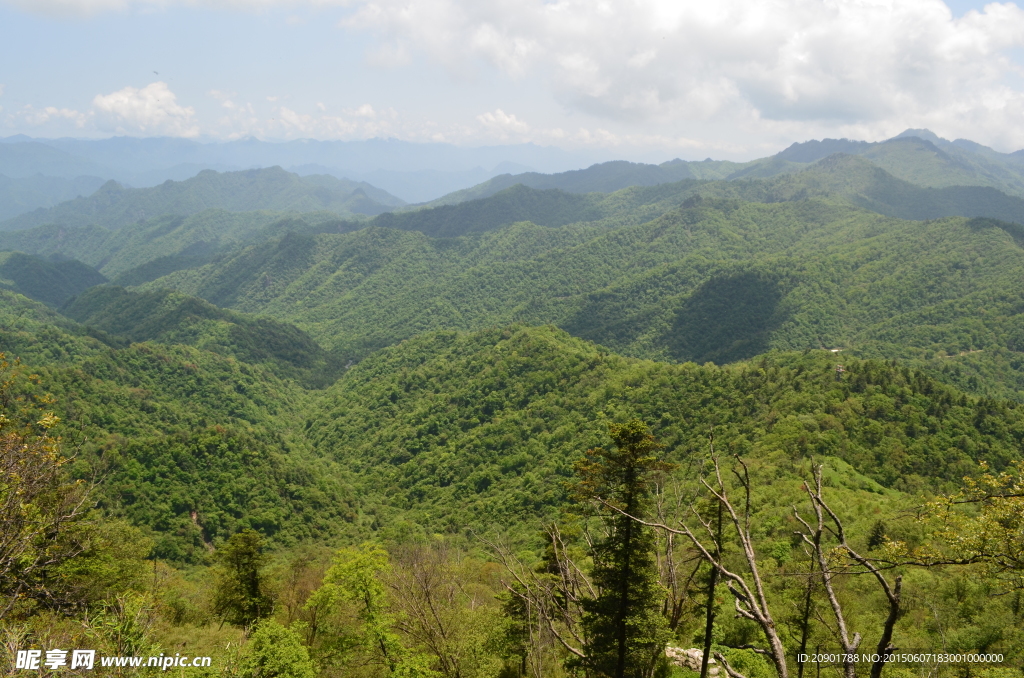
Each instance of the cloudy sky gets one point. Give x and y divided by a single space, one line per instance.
689 78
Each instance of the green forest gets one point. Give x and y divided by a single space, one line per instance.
757 421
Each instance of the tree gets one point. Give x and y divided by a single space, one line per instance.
241 597
983 523
43 514
747 585
356 577
276 651
624 629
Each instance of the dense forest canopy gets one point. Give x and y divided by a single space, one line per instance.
603 423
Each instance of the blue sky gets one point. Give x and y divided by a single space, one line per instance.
734 78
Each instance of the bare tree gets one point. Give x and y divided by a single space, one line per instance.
861 565
439 607
748 586
556 594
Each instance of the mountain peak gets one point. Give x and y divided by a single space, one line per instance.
925 134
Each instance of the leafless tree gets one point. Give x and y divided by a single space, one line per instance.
556 594
440 608
861 565
747 586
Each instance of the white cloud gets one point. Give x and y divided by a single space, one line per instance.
42 116
502 124
777 64
152 110
729 71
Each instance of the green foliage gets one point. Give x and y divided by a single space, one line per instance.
625 630
276 651
143 250
717 280
169 429
172 318
241 596
355 577
51 282
454 430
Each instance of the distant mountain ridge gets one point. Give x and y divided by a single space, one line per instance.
606 177
416 172
114 206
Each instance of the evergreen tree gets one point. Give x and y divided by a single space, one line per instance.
242 597
625 630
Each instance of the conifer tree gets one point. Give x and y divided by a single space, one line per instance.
625 630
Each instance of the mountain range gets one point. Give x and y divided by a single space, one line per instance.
301 364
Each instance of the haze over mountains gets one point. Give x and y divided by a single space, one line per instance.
414 172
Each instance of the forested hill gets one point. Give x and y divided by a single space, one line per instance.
847 177
915 156
51 281
142 251
173 428
448 431
171 318
114 206
866 185
476 429
717 280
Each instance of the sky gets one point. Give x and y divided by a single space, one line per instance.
733 79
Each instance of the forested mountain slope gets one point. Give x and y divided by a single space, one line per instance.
449 430
189 444
114 206
862 183
922 158
718 280
143 251
51 281
172 318
148 249
476 429
606 177
843 176
915 156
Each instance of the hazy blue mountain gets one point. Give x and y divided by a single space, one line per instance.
152 160
21 159
25 194
605 177
113 206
